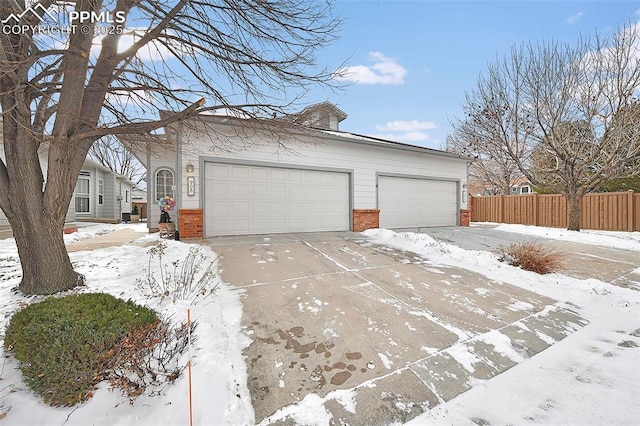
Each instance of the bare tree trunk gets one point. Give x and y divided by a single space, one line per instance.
46 268
37 220
506 188
573 211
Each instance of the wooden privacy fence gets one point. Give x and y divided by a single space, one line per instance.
610 211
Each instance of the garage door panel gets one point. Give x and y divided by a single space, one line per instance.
261 208
414 203
259 174
243 199
240 207
240 172
239 190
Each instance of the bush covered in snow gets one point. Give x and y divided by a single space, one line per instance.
531 256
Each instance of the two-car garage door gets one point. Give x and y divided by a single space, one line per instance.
416 203
253 199
247 199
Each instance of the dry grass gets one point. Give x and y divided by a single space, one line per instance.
531 256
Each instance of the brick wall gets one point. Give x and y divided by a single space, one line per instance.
365 219
465 217
190 223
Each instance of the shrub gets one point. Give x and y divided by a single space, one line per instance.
60 342
189 279
147 356
531 256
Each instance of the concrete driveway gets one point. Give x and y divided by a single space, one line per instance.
398 334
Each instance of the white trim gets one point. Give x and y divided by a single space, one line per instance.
155 182
100 192
86 195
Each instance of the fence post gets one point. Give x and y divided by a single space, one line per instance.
630 211
535 209
501 210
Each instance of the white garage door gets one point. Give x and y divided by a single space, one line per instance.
241 199
414 203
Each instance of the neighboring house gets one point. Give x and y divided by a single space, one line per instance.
521 186
100 194
139 198
233 176
518 186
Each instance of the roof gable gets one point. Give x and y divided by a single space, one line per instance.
324 115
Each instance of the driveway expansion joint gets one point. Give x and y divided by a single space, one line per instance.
386 327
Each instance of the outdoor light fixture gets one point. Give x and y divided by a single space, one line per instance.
189 168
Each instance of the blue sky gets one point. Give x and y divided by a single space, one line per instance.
412 61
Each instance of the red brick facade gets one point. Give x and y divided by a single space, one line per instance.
190 223
465 217
365 219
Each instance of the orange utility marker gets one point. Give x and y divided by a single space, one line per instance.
189 366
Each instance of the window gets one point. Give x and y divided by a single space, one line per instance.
164 183
525 190
100 192
83 194
126 195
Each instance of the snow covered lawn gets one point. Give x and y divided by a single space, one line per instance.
219 373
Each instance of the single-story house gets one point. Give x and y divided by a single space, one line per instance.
235 176
100 194
519 186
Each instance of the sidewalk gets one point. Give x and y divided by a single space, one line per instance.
111 239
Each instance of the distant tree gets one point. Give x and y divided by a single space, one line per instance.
494 169
566 115
60 91
621 185
109 152
544 165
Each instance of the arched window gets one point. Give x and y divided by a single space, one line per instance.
164 183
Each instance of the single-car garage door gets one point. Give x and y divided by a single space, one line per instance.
414 203
247 199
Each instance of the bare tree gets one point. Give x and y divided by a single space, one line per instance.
62 90
493 168
495 128
109 152
571 110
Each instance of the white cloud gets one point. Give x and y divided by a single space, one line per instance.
408 131
574 18
384 71
406 126
415 137
409 137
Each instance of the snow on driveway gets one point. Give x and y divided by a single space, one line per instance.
590 377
